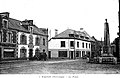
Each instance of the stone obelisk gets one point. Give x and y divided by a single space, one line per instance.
106 46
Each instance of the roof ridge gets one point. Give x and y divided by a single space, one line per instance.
15 19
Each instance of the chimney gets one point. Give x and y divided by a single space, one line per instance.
56 32
4 15
81 30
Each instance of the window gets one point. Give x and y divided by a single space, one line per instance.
23 39
83 45
14 37
4 35
77 53
86 45
83 53
77 36
30 39
62 43
9 37
43 41
37 41
71 43
89 45
62 53
71 35
82 37
5 23
86 37
31 29
78 44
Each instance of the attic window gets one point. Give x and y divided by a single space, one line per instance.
31 29
71 35
86 38
81 36
77 36
5 23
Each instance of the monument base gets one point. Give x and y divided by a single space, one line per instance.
104 59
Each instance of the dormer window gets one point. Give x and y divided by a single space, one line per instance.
86 37
5 23
77 36
82 37
31 29
71 35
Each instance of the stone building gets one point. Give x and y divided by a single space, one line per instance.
8 38
24 41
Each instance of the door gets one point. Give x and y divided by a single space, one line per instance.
72 55
49 54
30 54
23 53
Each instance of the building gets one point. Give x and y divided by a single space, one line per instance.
8 38
96 47
70 44
31 40
28 39
115 48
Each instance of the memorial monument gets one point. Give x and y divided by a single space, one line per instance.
106 46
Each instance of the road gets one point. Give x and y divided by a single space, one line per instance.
78 66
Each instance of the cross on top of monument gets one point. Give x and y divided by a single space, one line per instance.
106 20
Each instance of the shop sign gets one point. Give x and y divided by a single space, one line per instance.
9 50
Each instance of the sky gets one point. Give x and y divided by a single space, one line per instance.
63 14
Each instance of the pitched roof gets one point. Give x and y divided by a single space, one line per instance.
17 25
65 34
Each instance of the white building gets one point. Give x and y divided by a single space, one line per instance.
31 39
70 44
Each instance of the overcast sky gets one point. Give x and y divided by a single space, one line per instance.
63 14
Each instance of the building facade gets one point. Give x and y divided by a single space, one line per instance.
8 38
70 44
28 39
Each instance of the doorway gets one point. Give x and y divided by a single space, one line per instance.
30 54
49 54
71 54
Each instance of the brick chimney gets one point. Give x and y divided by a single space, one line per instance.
56 32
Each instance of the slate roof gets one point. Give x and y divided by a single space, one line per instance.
65 34
17 25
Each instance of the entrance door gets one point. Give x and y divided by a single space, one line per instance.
49 54
30 54
71 54
22 53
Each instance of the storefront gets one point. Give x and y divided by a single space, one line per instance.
7 51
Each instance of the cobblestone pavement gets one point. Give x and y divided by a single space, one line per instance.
78 66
